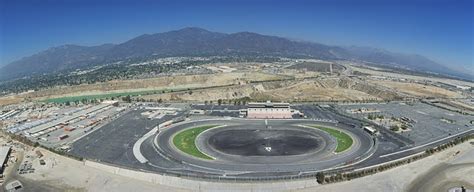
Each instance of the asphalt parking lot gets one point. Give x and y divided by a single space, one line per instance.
113 142
314 112
428 125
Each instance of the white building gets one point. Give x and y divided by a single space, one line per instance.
4 153
269 110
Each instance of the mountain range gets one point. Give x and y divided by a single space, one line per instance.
194 41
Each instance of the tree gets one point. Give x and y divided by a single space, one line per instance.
371 117
320 177
219 102
404 126
127 99
394 128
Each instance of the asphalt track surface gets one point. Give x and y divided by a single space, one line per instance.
264 142
316 159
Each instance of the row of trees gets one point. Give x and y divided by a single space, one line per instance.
21 139
238 101
375 116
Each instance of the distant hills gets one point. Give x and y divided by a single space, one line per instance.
200 42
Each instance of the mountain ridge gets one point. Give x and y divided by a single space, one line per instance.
195 41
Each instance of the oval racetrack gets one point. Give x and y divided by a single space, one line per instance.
252 148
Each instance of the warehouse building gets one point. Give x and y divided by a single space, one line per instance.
64 121
4 153
268 110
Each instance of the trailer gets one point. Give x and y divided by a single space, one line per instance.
62 137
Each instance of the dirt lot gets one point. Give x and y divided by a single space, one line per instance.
10 100
419 90
290 91
422 175
211 94
413 77
64 174
311 91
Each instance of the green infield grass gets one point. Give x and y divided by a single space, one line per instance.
344 141
186 141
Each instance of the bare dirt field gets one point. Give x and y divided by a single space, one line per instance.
412 77
311 91
429 174
419 90
72 175
75 176
210 94
290 91
10 100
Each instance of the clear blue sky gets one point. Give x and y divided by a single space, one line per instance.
439 29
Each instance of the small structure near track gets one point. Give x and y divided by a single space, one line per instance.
268 110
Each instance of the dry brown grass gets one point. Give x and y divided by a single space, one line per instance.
419 90
312 91
211 94
169 82
10 100
309 90
236 85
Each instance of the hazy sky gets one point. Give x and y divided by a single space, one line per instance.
439 29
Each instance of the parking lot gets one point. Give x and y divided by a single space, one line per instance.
79 127
314 111
429 123
114 141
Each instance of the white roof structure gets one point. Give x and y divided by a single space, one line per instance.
3 154
268 104
66 118
370 129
